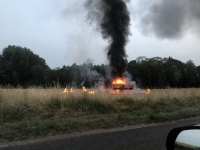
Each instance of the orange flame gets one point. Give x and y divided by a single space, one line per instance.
71 90
84 89
115 92
91 92
148 91
118 81
65 91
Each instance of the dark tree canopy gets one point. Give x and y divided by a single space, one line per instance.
20 66
161 73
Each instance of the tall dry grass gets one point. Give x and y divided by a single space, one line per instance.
33 112
18 104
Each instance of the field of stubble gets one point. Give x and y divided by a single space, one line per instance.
35 112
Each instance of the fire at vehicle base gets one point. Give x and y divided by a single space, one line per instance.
122 87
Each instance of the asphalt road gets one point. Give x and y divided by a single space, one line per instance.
139 137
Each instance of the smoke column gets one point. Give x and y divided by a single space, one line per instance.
113 18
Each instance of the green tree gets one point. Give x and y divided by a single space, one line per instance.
190 73
173 72
61 75
18 63
198 76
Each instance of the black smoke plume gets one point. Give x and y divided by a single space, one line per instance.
113 19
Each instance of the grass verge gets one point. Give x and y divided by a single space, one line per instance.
28 117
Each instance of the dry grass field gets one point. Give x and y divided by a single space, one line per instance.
33 112
37 97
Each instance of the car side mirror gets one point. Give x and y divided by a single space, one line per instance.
184 138
188 139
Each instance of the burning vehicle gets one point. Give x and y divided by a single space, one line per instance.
122 87
120 84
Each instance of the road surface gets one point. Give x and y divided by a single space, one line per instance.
139 137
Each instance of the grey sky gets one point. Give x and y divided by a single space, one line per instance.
58 31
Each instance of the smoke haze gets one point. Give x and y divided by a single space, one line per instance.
171 19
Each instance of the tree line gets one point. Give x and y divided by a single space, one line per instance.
21 67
